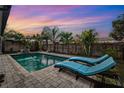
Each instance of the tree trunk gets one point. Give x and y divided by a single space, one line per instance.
68 48
54 46
85 50
89 51
62 48
46 44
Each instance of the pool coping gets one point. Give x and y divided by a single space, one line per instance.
49 53
18 67
23 71
56 54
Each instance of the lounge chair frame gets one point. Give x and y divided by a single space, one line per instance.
95 82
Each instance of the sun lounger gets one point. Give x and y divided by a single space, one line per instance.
91 61
84 70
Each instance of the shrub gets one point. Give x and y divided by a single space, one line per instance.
112 52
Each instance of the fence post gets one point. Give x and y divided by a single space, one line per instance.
62 48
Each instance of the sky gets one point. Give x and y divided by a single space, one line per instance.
30 19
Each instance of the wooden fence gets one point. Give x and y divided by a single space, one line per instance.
97 49
73 49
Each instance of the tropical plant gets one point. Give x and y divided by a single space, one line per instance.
54 35
118 28
88 37
112 52
12 34
66 37
26 41
38 39
77 39
45 35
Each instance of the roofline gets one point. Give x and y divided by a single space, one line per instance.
6 11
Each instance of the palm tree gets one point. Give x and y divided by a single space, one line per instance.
88 37
77 39
37 38
26 42
118 28
54 36
66 38
45 35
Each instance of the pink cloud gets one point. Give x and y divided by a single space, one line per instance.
23 24
31 19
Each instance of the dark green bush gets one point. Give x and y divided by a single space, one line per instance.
112 52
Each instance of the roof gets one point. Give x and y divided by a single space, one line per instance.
4 14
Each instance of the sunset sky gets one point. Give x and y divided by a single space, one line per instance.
31 19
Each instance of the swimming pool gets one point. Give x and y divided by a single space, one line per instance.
36 61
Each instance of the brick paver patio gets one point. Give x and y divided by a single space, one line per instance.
45 78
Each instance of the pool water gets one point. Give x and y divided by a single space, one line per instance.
36 61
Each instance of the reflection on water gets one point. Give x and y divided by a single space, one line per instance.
36 61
